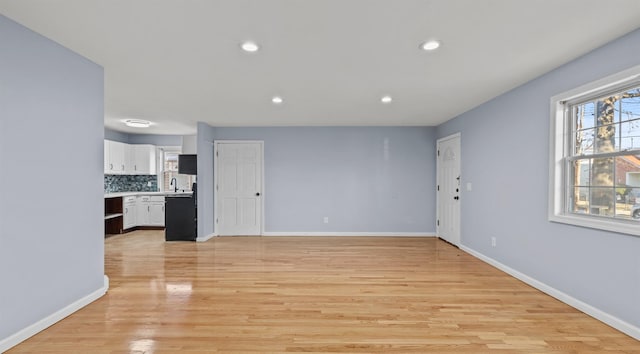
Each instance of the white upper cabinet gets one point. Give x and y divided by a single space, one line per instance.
125 159
129 160
114 152
107 161
144 159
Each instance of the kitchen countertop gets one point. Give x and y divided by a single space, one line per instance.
128 194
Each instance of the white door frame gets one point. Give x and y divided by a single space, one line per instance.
452 136
215 180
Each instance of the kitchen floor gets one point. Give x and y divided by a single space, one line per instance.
316 294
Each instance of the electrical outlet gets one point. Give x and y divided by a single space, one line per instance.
326 219
493 242
469 186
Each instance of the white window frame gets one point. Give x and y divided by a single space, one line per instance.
560 142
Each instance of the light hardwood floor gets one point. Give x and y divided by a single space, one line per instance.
317 294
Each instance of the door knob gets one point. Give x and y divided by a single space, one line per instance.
258 194
456 197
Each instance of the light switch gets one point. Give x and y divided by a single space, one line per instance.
468 186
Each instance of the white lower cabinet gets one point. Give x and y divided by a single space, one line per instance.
156 215
143 210
150 210
129 210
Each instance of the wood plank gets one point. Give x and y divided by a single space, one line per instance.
317 294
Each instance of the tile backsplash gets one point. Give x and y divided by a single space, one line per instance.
130 183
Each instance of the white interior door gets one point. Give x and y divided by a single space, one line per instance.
239 188
449 187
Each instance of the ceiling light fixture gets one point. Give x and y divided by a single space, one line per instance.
386 99
137 123
430 45
277 100
249 46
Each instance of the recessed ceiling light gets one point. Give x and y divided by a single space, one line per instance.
277 100
249 46
430 45
386 99
137 123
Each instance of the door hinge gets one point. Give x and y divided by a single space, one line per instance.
438 188
216 153
216 187
216 220
438 222
438 152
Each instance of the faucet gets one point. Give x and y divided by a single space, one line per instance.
174 183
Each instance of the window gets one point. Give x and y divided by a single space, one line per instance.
170 171
595 148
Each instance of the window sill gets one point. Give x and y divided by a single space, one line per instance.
630 227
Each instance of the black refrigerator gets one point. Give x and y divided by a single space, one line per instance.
181 221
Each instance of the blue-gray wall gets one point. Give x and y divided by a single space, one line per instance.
51 203
158 140
116 136
505 155
365 179
204 142
152 139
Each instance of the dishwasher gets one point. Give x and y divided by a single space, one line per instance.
180 218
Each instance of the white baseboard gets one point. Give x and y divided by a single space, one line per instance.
24 334
384 234
205 238
596 313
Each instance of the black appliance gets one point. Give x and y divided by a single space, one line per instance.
181 217
188 164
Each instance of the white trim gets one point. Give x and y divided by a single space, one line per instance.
558 133
215 180
29 331
206 237
596 313
373 234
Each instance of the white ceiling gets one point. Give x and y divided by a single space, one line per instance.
177 62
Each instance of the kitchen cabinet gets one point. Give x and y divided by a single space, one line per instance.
128 212
115 153
113 216
129 160
143 209
143 159
150 211
121 158
156 211
107 161
129 206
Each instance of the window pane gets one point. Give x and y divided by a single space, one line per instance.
602 171
602 201
605 139
630 105
630 135
580 172
628 171
584 116
579 200
584 142
627 185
